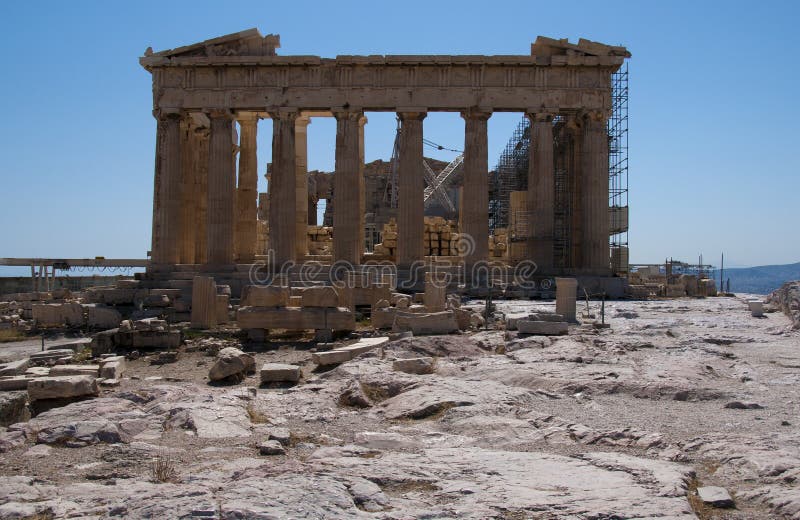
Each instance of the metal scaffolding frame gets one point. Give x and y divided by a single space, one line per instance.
564 188
510 174
618 170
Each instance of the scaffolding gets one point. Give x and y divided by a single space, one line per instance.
564 181
618 170
510 174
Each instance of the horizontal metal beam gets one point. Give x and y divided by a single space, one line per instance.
76 262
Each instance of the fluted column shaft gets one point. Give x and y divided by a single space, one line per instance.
282 189
200 145
347 192
188 195
541 192
221 190
475 194
301 188
411 186
247 189
167 231
595 194
362 121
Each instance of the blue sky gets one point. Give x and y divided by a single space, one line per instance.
713 110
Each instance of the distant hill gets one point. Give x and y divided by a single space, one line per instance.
762 279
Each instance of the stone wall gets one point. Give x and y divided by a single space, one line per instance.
21 284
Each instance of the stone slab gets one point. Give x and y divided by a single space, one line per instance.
295 318
319 297
14 368
75 345
333 357
265 296
15 382
75 370
542 328
51 355
62 387
427 323
279 373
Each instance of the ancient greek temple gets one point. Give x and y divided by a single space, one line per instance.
205 212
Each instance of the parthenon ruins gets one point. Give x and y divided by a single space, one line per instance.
204 219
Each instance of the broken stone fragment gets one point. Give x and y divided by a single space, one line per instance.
14 368
271 447
715 496
282 435
231 362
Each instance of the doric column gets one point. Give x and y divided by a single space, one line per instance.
411 185
541 191
347 193
301 189
167 230
475 194
362 121
247 190
595 194
282 188
200 145
575 170
188 195
221 190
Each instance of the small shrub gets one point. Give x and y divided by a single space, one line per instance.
256 415
162 468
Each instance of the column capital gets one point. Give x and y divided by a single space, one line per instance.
477 113
411 114
163 114
219 113
595 115
541 115
247 116
284 114
349 113
302 122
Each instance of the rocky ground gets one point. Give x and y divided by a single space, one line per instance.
623 422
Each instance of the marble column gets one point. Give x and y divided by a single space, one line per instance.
541 192
200 146
301 189
247 189
348 229
575 169
474 204
166 240
362 121
188 196
221 190
411 186
283 189
155 237
595 194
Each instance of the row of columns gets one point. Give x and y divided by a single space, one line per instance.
590 168
203 216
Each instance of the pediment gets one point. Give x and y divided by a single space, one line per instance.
243 43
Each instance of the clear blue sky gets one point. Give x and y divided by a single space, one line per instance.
713 110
